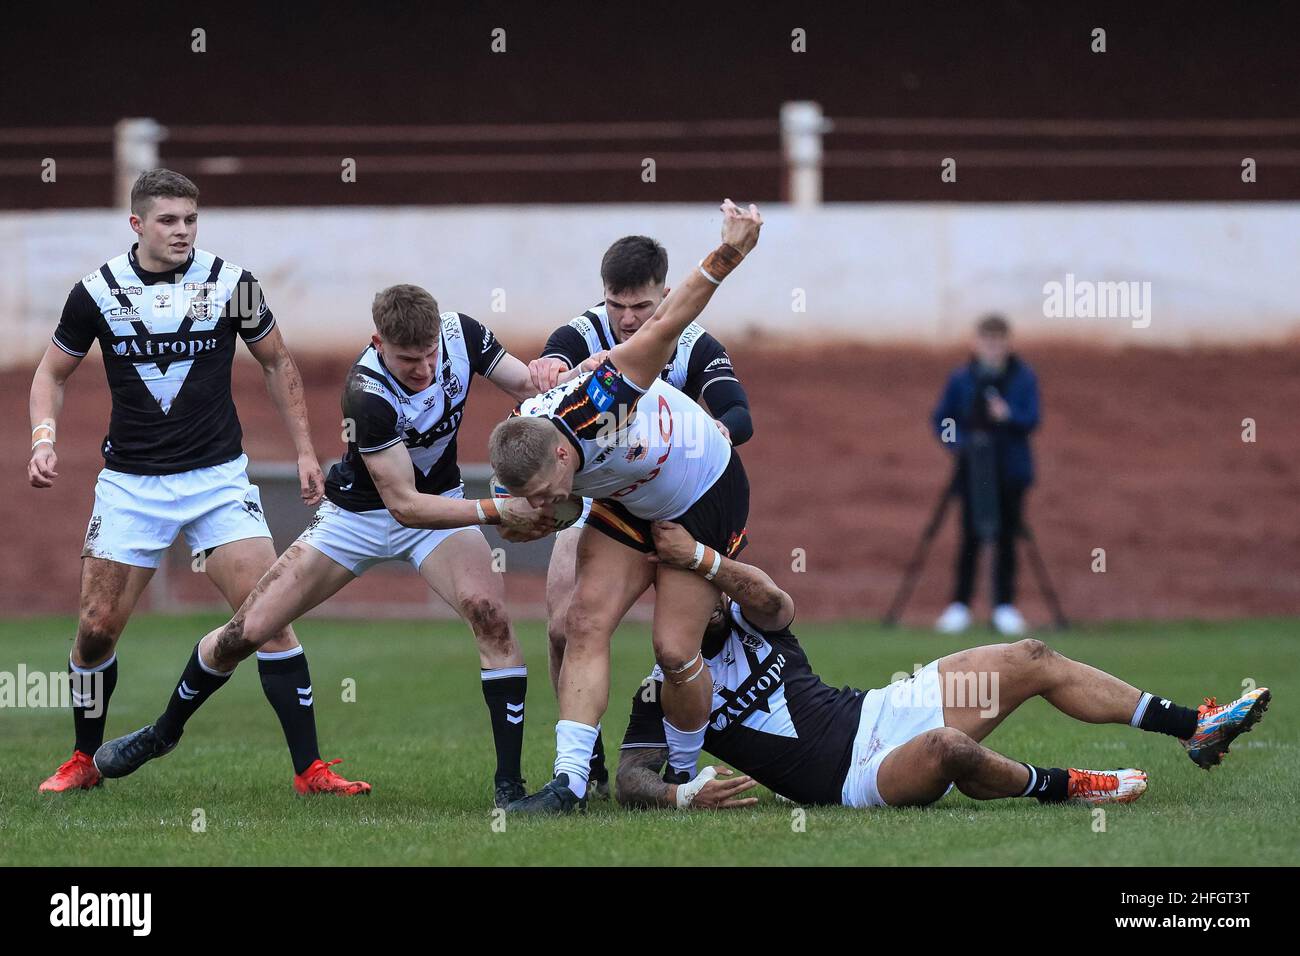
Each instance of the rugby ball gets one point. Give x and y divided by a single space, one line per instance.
566 512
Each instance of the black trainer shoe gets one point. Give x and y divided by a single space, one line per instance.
125 755
508 791
554 798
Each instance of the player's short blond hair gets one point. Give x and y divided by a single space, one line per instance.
157 184
406 315
520 447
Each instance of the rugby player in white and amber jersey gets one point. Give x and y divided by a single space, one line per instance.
633 272
644 451
167 317
906 744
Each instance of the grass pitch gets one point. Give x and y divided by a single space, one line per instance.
418 731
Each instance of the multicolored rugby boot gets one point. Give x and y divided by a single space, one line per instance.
319 778
1106 786
1219 725
78 773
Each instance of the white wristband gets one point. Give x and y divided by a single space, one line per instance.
707 276
699 556
717 563
43 441
482 515
687 792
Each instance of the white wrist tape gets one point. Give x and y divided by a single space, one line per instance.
687 792
482 515
43 441
699 555
706 275
717 563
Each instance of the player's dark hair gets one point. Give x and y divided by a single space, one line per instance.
406 315
157 184
993 324
519 447
632 263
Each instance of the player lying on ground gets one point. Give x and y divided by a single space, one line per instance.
632 272
901 745
396 495
644 451
167 317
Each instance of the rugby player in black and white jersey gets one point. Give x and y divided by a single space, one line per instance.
167 317
642 450
906 744
396 495
633 272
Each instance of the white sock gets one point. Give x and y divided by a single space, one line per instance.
1140 711
574 743
684 746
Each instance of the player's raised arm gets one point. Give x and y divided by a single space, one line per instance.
394 477
642 357
764 604
45 403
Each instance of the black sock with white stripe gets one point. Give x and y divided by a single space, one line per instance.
287 685
1162 716
1047 784
504 689
91 688
198 682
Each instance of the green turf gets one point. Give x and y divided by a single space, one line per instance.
418 731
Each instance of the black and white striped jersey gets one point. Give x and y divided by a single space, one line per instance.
699 362
380 412
168 340
772 717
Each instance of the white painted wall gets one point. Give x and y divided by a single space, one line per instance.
1221 273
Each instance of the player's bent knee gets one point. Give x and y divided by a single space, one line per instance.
951 751
489 621
97 635
673 658
1031 650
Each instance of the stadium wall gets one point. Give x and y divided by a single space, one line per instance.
1218 273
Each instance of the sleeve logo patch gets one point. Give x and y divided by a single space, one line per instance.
600 390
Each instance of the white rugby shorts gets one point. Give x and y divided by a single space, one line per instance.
359 540
891 716
137 517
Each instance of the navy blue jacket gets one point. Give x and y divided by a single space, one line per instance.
1019 387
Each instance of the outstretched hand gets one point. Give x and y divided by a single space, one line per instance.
740 226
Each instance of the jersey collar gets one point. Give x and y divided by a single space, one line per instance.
171 276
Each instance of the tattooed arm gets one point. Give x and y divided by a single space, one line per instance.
764 604
638 786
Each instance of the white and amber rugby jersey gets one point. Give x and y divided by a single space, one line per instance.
655 451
